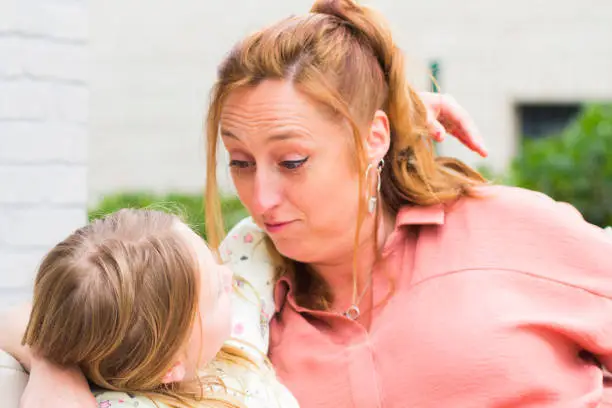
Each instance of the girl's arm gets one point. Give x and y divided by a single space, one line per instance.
49 385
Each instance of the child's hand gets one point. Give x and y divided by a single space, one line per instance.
446 116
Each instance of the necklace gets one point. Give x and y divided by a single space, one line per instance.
353 312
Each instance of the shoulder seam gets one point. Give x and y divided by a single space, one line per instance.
530 274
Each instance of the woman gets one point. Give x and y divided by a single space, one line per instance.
404 280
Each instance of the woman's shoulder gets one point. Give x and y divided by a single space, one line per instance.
514 214
514 205
492 205
519 229
510 196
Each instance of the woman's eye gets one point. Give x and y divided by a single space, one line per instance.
239 164
293 164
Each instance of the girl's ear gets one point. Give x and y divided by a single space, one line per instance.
176 373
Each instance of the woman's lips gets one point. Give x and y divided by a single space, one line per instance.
276 227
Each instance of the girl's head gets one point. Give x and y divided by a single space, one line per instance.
304 107
135 299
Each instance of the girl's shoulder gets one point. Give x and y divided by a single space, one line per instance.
255 387
244 238
113 399
246 252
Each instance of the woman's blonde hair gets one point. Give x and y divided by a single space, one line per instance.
343 56
119 299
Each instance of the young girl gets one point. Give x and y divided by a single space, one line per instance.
139 303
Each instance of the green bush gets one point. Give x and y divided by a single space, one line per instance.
574 166
189 207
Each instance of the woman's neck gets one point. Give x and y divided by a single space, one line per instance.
338 273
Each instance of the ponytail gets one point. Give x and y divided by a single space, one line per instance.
415 175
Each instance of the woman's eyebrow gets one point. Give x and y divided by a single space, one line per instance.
227 133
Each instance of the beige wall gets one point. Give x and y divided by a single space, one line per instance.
155 61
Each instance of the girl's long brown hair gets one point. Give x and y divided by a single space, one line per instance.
119 299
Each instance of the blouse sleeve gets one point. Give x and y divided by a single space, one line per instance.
575 258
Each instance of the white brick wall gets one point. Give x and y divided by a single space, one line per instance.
155 61
44 98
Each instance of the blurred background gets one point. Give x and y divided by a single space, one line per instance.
102 102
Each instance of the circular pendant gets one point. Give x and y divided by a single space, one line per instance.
352 312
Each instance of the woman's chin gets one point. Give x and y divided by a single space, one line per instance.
296 250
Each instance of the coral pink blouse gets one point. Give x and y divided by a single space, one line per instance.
500 301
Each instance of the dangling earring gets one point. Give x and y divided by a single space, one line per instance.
373 199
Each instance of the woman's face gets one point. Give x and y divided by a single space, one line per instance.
294 169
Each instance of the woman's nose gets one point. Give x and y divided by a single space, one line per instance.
266 192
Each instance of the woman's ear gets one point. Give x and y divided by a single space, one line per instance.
176 373
378 138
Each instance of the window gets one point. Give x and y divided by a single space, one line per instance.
540 120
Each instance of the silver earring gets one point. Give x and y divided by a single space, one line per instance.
373 199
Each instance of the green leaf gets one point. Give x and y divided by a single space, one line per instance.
189 207
574 166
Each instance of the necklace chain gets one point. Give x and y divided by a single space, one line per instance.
353 312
